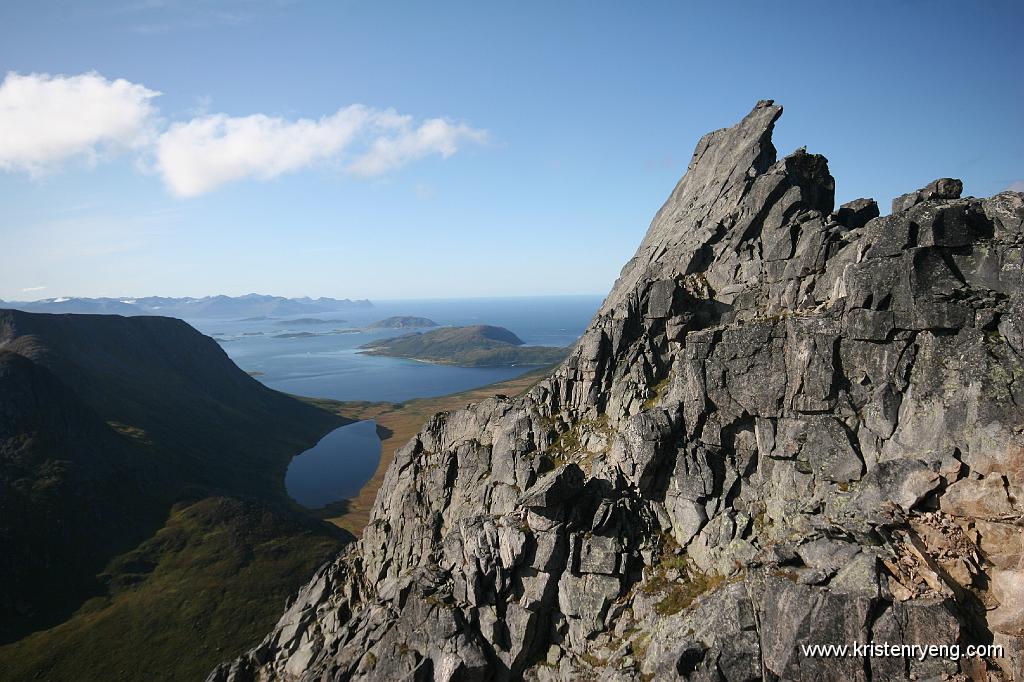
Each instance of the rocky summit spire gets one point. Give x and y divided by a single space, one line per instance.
703 204
786 426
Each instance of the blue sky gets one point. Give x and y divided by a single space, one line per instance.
451 149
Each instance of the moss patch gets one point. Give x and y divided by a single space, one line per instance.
659 391
681 592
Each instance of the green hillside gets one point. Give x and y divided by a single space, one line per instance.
142 504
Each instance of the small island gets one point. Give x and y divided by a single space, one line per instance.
474 346
307 321
296 335
403 322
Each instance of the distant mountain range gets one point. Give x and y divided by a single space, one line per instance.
222 307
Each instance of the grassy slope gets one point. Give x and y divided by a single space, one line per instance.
207 586
211 581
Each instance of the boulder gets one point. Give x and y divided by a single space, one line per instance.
856 214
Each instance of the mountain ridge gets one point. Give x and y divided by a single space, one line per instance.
787 425
219 306
150 371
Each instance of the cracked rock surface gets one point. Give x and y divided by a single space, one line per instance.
787 424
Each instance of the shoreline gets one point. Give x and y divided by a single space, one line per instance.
397 424
451 363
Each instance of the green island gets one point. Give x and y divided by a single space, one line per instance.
402 322
472 346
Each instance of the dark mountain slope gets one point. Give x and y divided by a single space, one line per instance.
72 494
211 580
175 389
110 428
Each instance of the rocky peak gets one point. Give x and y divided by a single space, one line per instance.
785 426
857 213
943 188
721 173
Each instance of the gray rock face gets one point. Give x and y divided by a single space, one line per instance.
857 213
784 427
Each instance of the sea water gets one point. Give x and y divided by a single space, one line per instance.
328 364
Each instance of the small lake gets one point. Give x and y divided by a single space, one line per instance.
336 467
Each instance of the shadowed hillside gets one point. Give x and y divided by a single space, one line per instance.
115 428
173 389
64 474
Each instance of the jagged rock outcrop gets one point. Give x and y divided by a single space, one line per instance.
785 426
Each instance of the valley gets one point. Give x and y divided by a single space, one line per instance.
185 484
511 342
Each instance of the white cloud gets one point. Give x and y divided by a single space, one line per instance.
435 136
1016 186
26 290
197 156
47 119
